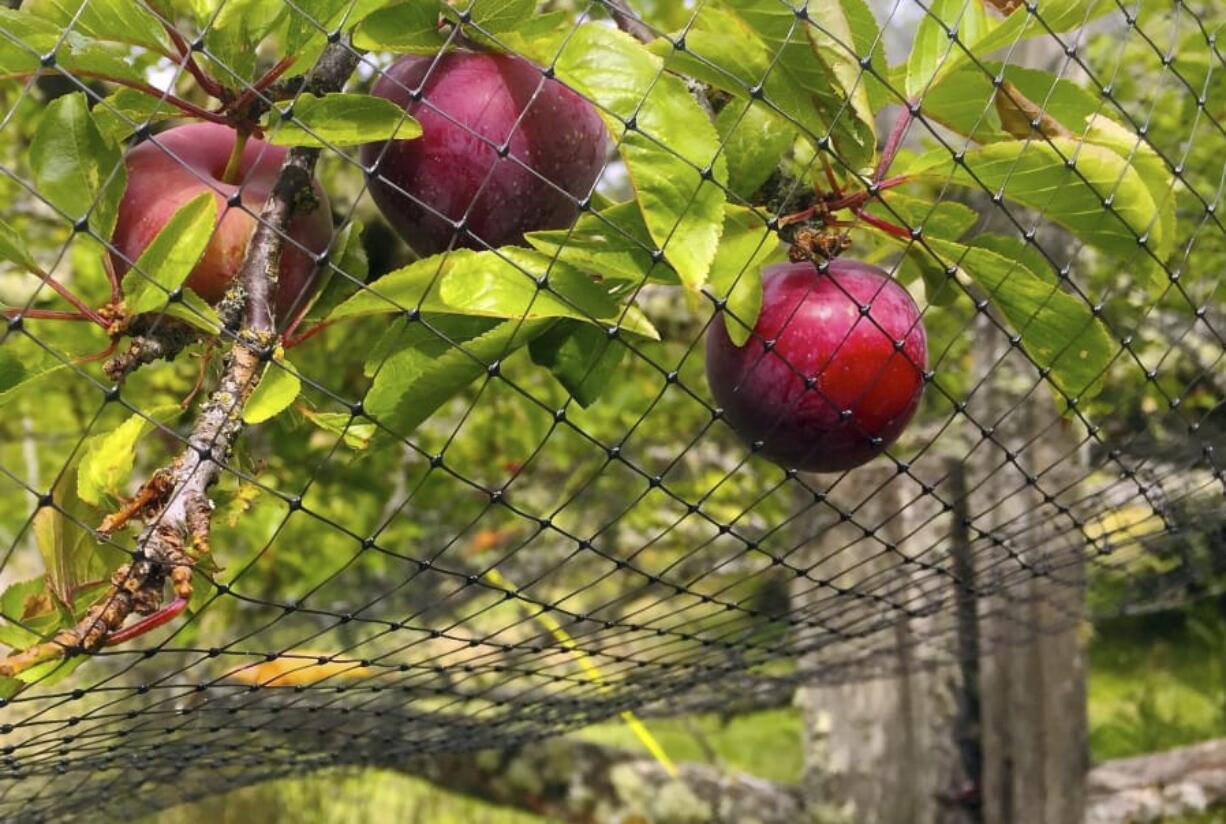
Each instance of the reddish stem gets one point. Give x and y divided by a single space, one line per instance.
44 314
210 86
290 342
835 188
884 225
894 142
858 199
148 623
797 217
113 277
61 290
270 77
179 103
97 356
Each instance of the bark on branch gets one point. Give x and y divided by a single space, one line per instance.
179 513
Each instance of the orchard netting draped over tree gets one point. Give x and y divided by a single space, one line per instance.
469 498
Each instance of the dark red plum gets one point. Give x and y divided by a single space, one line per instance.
824 385
473 104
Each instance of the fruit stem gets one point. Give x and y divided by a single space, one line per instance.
230 175
894 142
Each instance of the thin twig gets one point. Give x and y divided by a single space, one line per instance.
210 86
153 91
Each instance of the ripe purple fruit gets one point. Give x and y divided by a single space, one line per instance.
502 149
834 369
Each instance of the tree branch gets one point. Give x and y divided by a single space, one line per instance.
1157 786
627 21
178 511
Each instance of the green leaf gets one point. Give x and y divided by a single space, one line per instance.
277 389
13 249
1058 331
672 142
496 15
613 243
1035 174
235 30
816 58
830 32
122 21
582 358
170 258
1015 248
497 284
19 373
26 37
947 219
933 47
310 20
1056 16
194 311
75 168
107 459
746 247
29 613
415 381
342 120
755 141
354 433
52 672
1153 172
868 40
349 275
963 101
407 28
70 553
120 114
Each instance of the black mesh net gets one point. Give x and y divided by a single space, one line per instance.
483 496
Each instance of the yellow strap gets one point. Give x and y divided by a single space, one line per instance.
593 672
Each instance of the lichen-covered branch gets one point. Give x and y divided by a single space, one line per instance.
179 515
1158 786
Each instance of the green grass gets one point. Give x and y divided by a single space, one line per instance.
1156 682
348 796
766 744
